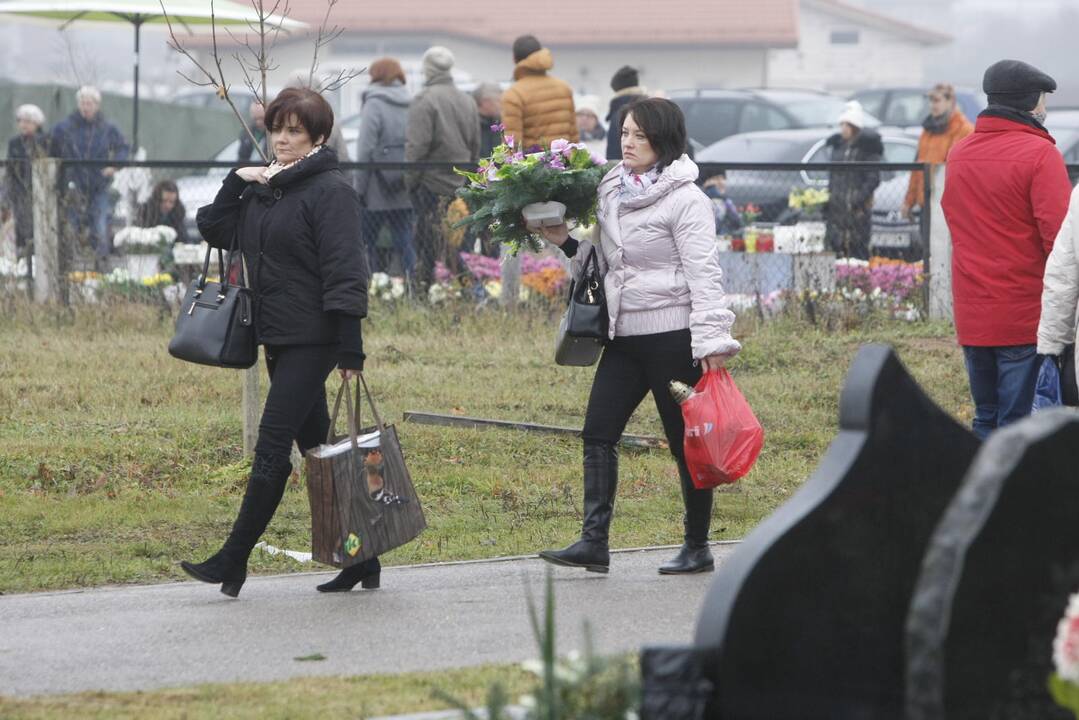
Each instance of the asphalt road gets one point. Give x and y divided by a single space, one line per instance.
423 618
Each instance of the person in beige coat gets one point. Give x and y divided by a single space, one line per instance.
443 126
537 108
1058 328
668 320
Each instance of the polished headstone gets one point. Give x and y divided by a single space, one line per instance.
806 619
996 579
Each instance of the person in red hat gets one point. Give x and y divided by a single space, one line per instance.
1005 196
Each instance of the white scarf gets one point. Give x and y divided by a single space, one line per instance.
634 184
276 167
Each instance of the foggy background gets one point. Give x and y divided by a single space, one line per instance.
1041 32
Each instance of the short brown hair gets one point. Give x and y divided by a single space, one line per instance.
663 123
310 108
945 90
385 70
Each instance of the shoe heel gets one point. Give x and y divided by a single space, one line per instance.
232 589
371 582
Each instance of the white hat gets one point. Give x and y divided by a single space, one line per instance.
853 114
437 60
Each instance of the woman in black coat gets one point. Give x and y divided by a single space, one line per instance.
30 144
850 192
297 222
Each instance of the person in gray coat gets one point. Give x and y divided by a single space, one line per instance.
382 139
443 127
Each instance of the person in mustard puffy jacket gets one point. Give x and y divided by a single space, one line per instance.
945 126
538 108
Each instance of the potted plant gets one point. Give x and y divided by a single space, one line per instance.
141 248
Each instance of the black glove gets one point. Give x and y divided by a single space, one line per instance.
350 342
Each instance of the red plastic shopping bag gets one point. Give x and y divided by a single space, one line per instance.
723 437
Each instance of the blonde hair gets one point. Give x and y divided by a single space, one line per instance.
945 90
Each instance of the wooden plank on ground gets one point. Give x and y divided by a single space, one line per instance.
425 418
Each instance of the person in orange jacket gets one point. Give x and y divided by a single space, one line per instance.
944 127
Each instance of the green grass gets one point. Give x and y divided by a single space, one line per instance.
330 697
118 461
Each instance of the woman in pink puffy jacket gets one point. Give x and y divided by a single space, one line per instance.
668 319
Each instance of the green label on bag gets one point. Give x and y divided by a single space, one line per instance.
352 544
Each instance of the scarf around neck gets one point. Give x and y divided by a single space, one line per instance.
634 184
276 167
938 125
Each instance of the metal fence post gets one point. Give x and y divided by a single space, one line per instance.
927 233
48 283
940 242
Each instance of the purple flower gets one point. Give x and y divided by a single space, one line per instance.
498 127
510 140
561 146
598 159
555 163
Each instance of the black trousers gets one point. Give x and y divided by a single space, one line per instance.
296 404
429 241
630 368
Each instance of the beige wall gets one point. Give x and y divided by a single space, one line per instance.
879 58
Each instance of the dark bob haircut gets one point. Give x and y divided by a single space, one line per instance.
663 124
310 108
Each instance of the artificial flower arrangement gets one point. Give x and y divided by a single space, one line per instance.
1064 683
511 180
750 213
808 199
144 241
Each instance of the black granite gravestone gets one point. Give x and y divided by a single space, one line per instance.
806 619
996 579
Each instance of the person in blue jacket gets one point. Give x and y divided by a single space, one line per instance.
87 135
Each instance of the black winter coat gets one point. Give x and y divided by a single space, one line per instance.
850 194
300 236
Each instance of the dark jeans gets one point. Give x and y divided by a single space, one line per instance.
430 242
1002 381
400 224
88 216
630 368
296 404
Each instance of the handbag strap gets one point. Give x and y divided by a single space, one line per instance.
355 412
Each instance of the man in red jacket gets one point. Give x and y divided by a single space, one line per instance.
1005 196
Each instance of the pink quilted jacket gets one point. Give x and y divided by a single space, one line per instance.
660 262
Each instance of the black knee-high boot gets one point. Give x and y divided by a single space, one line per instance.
265 486
600 484
694 556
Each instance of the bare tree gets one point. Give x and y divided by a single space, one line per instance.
255 57
326 35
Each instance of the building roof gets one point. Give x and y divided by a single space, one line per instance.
879 21
561 23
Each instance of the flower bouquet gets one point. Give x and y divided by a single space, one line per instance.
512 184
809 200
144 241
1064 683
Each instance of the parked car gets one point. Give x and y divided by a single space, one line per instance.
907 107
200 189
712 115
770 189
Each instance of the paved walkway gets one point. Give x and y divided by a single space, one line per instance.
424 618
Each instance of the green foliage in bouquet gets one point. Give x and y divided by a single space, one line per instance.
510 179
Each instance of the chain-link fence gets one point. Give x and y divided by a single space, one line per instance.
790 236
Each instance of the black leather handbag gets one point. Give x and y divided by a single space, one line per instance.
583 330
216 323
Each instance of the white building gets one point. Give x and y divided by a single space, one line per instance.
842 48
